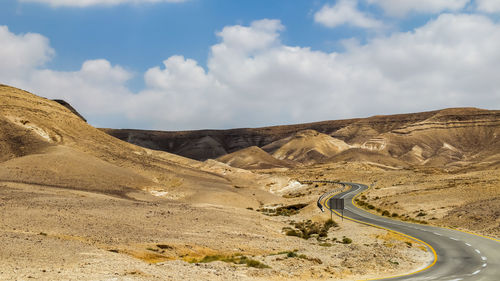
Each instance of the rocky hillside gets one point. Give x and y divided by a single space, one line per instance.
457 136
306 147
44 143
254 158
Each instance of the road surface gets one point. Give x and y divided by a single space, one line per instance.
459 256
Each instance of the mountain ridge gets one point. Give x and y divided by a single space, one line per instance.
439 137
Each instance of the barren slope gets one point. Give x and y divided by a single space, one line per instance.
253 158
445 137
307 147
37 130
45 143
78 204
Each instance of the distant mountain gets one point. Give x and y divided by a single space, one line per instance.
456 136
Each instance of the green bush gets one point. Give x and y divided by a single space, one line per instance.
330 223
346 240
291 254
306 229
394 262
293 232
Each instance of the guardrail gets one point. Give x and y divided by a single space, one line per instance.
340 189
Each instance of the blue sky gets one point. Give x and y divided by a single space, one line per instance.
140 35
195 64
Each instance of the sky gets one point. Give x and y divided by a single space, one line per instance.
218 64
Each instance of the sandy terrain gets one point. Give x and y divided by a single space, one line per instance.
51 233
461 198
78 204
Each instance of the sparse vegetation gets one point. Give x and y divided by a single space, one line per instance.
393 262
293 232
293 195
307 229
291 254
330 223
236 259
283 211
294 254
346 240
164 246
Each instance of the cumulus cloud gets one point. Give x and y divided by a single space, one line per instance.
402 7
488 6
87 3
253 79
22 53
345 12
97 89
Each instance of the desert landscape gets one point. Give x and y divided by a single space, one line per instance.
82 203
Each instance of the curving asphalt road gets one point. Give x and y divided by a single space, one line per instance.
458 255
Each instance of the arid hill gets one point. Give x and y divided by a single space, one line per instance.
206 144
252 158
79 204
43 142
306 147
458 136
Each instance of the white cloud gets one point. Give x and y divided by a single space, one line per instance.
402 7
87 3
253 79
260 35
345 12
98 90
489 6
20 54
178 94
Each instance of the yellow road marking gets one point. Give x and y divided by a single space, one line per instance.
393 231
